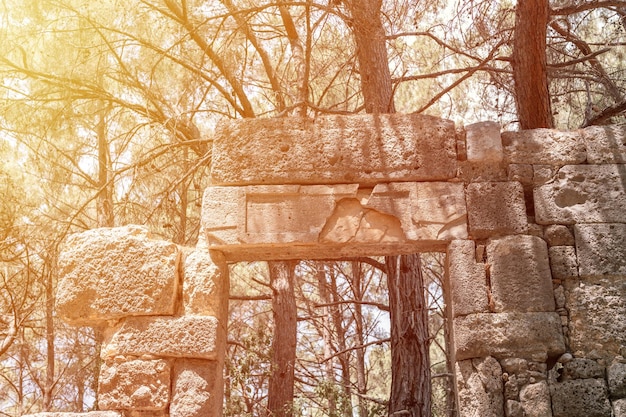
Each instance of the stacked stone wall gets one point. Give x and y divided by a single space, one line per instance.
533 223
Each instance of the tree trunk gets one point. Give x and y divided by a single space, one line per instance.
371 49
281 382
361 384
529 64
104 199
326 336
410 364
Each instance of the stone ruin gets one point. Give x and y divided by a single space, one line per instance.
533 223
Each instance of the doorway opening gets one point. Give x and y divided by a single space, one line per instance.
343 360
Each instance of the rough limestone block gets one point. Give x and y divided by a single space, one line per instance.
580 398
619 408
483 142
220 214
520 274
601 248
146 413
513 408
616 375
522 173
205 285
581 368
535 336
272 218
468 279
89 414
605 144
187 336
197 389
563 263
543 146
365 149
496 208
597 312
112 273
479 384
135 384
558 235
583 194
535 400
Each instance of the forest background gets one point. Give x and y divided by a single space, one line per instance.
107 111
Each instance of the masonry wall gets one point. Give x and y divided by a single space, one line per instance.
533 222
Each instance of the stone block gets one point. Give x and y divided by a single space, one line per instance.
220 214
544 173
534 336
110 273
601 248
513 409
468 279
580 398
205 285
581 368
563 262
605 144
522 173
89 414
619 408
483 142
365 149
188 336
543 146
616 376
468 171
583 194
496 208
558 235
597 312
146 413
479 384
197 389
480 387
535 400
136 384
520 274
327 219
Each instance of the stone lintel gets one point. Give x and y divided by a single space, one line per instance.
365 149
583 194
327 221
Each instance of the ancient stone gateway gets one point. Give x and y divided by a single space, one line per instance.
533 223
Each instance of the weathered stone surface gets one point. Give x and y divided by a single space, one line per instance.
483 142
601 248
468 279
187 336
580 398
616 375
597 312
365 149
520 274
605 144
89 414
480 388
558 235
581 368
326 217
619 408
146 413
513 409
205 288
563 263
535 400
522 173
535 336
543 146
197 389
116 272
135 384
496 208
583 194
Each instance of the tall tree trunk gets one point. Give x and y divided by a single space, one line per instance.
104 199
410 364
281 381
326 336
371 48
361 385
49 384
529 64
